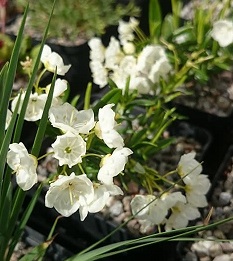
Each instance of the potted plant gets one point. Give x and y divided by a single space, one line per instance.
70 29
205 34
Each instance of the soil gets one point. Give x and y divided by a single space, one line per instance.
214 97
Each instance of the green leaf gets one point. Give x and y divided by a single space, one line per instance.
176 10
155 19
167 27
113 96
87 96
143 144
5 211
142 102
9 76
136 137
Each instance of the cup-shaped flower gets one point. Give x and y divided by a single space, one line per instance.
53 60
23 164
67 118
106 127
59 88
189 166
69 194
152 211
222 32
182 213
196 189
35 105
69 149
113 164
102 194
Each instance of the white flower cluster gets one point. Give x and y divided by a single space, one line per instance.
120 61
69 193
175 209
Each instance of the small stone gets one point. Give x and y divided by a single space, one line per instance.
201 248
227 247
126 203
215 250
205 258
224 198
223 257
190 256
218 233
117 208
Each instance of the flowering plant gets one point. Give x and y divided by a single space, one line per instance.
98 149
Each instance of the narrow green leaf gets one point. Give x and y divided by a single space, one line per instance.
168 27
112 96
43 122
176 10
142 102
6 210
10 76
87 96
155 19
3 74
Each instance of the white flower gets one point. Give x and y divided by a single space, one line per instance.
70 193
8 118
113 54
67 118
188 165
102 194
105 127
181 215
149 55
149 211
99 73
69 149
196 189
222 32
129 48
113 164
23 164
126 30
35 106
59 88
52 60
141 83
155 212
126 69
159 70
97 49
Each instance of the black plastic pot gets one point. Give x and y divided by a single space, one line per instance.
55 252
